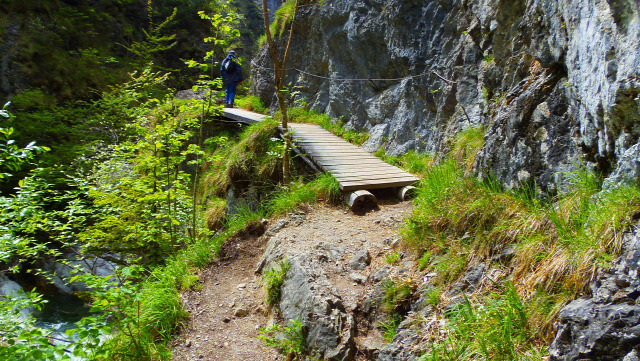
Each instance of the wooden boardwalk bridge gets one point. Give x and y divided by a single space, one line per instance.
355 169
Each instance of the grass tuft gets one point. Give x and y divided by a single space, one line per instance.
396 303
496 328
559 243
466 145
251 103
273 280
324 186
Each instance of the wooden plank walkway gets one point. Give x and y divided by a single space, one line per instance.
242 116
353 167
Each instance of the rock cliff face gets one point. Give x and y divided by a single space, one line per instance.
607 325
553 83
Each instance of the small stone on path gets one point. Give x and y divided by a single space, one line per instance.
240 312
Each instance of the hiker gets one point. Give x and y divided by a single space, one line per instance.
231 73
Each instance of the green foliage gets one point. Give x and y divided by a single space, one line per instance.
35 217
73 49
133 196
450 264
20 339
251 159
224 27
273 280
288 340
396 302
153 42
251 103
389 328
13 157
495 330
411 161
283 17
144 195
557 241
424 260
466 145
288 198
433 296
392 258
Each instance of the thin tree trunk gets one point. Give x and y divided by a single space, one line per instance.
279 75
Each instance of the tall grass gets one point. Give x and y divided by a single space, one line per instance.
496 328
324 186
559 242
251 103
396 302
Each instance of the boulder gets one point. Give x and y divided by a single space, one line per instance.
607 325
13 289
360 261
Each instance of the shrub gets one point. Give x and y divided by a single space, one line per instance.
287 198
291 344
497 329
396 302
273 280
251 103
392 258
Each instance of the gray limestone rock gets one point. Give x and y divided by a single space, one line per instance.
13 289
307 295
554 83
628 170
607 325
360 261
62 271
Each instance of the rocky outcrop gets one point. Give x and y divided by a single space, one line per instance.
308 296
553 83
9 288
607 325
61 271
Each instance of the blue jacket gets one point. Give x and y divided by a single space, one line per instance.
230 76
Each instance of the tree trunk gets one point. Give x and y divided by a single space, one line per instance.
279 74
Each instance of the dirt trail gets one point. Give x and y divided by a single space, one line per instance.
226 314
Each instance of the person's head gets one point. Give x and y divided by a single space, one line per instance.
232 53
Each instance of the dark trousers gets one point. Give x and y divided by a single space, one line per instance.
230 88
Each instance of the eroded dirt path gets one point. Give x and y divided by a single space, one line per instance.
226 314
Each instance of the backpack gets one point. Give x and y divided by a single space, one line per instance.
230 66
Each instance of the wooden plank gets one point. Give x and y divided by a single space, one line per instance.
375 179
340 153
351 186
363 167
372 185
323 147
313 141
354 168
329 144
372 172
344 162
242 115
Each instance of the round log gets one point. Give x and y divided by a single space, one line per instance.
405 193
361 200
